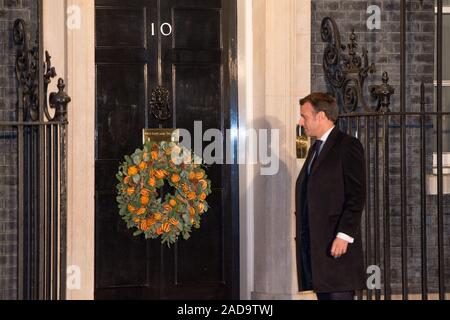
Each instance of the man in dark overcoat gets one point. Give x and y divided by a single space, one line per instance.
330 198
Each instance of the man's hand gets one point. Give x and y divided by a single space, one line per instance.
339 248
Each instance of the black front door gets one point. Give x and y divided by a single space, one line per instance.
187 46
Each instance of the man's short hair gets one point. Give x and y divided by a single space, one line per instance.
323 102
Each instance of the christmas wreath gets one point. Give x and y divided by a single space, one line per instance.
141 180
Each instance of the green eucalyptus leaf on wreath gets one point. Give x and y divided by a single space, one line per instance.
128 160
136 178
136 160
186 236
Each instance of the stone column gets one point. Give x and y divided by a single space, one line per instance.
281 76
69 38
81 79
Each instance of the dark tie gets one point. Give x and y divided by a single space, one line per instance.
315 154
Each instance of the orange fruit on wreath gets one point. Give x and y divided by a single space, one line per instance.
152 182
132 171
157 216
160 174
204 184
130 191
166 227
199 175
141 211
142 166
192 196
173 202
145 201
144 225
175 178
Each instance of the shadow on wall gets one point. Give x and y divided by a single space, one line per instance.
273 217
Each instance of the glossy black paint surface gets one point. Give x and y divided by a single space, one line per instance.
194 64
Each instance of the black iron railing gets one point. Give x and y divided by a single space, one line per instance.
381 131
40 132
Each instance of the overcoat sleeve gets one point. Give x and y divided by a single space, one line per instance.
354 174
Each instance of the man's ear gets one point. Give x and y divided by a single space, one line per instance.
322 115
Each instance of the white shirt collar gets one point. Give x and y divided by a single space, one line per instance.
325 136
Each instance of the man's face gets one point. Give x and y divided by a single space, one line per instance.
309 120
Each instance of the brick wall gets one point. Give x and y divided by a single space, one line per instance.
384 50
9 11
